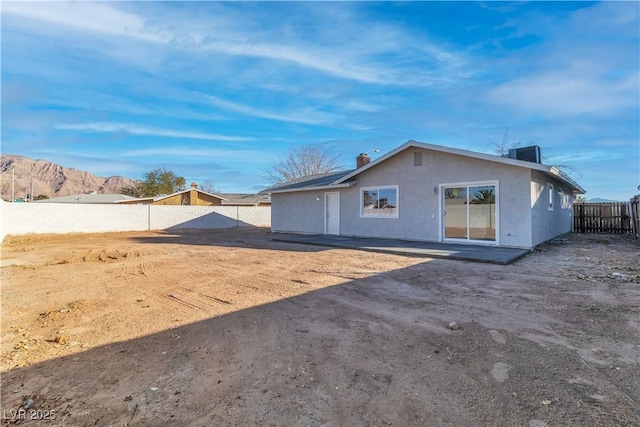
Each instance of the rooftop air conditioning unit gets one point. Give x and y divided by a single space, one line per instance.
528 154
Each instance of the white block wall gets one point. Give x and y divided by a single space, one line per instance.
258 216
208 217
2 219
26 218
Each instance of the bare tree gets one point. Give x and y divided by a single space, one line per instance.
208 186
502 147
303 161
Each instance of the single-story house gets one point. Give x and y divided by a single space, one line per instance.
429 192
196 197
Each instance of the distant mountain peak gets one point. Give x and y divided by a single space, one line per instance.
53 180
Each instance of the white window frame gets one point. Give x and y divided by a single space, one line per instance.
550 197
378 188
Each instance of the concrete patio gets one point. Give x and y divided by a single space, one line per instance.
464 252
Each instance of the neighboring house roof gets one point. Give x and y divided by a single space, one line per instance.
245 199
312 182
166 196
88 198
349 175
225 199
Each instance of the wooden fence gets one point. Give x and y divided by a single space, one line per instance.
635 215
612 218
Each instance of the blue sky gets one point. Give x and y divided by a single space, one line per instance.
218 91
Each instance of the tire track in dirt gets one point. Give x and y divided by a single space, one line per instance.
177 299
221 301
98 254
136 263
136 268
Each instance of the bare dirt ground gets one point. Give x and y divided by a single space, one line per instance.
230 328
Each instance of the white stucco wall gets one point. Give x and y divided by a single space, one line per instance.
26 218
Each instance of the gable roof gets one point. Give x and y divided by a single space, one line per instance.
232 199
166 196
349 175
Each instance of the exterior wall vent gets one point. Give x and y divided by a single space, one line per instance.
417 158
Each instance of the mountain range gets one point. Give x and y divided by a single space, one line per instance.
52 180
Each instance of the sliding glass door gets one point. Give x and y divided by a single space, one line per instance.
469 212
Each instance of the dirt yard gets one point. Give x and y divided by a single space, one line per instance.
230 328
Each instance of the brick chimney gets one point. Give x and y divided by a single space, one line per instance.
362 160
194 185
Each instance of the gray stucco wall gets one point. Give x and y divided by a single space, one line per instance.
419 204
298 212
548 224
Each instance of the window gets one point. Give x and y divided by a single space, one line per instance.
379 202
550 201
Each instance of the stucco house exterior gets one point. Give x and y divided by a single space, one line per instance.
428 192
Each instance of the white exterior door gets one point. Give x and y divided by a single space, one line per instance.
332 213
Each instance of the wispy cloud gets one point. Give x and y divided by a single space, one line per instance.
578 66
302 115
556 94
147 131
357 57
197 80
86 16
250 156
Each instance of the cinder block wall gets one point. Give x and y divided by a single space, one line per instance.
26 218
259 216
2 219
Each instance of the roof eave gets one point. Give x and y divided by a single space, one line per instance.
575 187
488 157
319 187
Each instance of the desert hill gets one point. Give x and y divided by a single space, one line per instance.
52 179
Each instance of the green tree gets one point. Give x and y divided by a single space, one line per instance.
306 160
155 182
484 197
41 197
131 190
